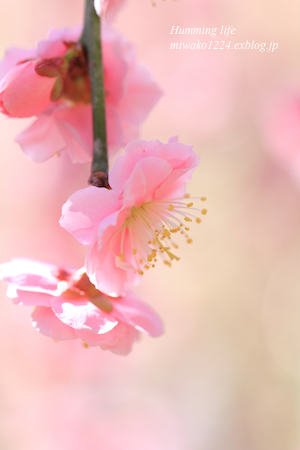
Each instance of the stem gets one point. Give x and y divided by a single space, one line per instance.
90 41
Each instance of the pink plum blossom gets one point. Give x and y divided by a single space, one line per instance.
128 226
52 83
68 306
108 8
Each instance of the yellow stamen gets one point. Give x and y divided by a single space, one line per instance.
187 219
204 211
190 204
166 233
198 220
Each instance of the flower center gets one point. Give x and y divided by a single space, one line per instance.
148 232
79 286
71 72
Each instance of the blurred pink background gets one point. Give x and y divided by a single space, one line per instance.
226 374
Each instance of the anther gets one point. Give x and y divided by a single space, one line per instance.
204 211
198 220
190 204
187 219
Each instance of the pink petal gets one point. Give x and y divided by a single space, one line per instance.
141 95
24 93
13 56
94 340
82 315
65 34
124 164
75 127
30 275
114 129
147 176
28 298
120 339
112 7
54 46
130 131
42 139
80 217
114 65
45 321
104 274
140 315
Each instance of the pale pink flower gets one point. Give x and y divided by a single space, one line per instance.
128 226
52 83
68 306
108 8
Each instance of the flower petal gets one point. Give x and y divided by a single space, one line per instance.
55 46
30 275
42 139
125 163
140 315
120 339
13 56
114 128
104 274
142 93
28 298
75 127
24 93
147 176
45 321
80 214
81 314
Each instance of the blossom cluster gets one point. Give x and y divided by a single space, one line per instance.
51 83
130 224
